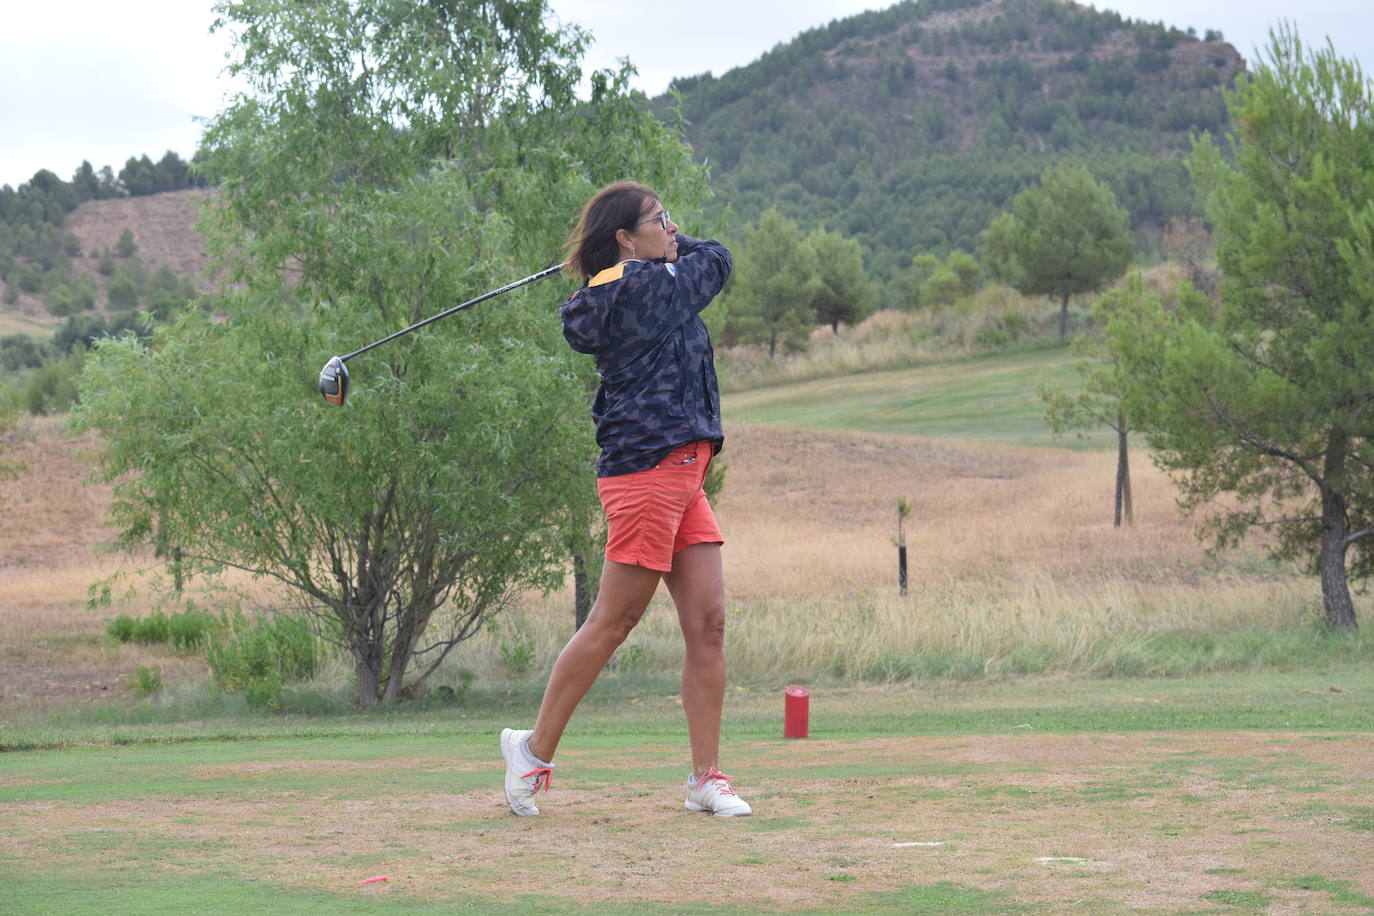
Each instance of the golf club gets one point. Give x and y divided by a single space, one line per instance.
334 375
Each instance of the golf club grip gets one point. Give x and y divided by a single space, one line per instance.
457 308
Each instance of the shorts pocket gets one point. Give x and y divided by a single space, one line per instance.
684 456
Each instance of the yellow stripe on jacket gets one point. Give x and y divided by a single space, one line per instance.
609 275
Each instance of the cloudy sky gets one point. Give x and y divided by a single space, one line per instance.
81 79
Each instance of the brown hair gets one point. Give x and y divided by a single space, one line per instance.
592 246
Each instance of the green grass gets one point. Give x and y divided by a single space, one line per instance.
18 323
986 399
1250 900
1267 700
1340 892
131 891
1163 654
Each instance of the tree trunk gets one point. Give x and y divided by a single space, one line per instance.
1340 611
1123 474
582 598
772 344
401 651
1064 319
369 673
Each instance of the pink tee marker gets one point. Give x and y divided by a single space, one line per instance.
373 880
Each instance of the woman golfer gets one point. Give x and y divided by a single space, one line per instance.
658 425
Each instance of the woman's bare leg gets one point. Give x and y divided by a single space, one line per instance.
624 594
697 584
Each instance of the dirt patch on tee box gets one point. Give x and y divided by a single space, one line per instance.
1147 821
249 768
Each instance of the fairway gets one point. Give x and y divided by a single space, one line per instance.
19 323
990 399
921 800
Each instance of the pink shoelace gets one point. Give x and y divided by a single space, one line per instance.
543 777
727 787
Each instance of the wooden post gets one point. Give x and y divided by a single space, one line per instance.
903 510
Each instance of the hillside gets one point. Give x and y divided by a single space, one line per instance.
163 227
909 128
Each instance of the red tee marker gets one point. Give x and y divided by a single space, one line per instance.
795 712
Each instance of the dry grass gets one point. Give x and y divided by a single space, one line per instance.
52 648
1011 551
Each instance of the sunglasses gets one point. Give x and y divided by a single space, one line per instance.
662 218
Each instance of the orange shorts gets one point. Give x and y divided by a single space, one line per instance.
656 513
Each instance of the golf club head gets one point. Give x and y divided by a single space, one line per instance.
334 381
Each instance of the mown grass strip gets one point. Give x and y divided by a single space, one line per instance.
1335 699
987 399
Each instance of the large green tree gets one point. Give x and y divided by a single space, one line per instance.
774 284
390 158
1271 405
843 291
1066 236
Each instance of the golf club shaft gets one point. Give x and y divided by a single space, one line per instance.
457 308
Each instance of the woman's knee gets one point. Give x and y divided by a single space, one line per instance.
705 631
613 627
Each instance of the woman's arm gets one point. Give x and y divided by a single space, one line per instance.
675 291
646 299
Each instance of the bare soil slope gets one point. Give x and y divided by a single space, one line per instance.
163 226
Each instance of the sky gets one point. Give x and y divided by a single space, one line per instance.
80 81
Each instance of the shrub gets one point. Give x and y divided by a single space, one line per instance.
148 680
51 388
188 630
126 247
60 301
191 629
151 629
121 628
259 656
264 692
517 651
122 292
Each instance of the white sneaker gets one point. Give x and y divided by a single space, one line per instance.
715 792
524 775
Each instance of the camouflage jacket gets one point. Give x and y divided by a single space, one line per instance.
641 321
